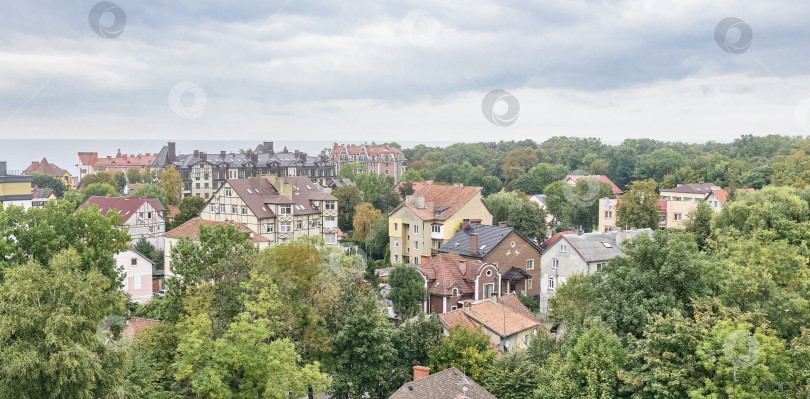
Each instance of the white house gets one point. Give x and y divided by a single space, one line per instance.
143 216
136 271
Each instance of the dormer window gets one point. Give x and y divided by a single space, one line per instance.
455 292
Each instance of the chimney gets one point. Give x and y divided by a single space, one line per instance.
419 201
204 156
462 266
172 154
222 154
3 169
268 146
409 199
296 154
254 157
465 223
474 243
580 232
424 259
196 153
501 224
420 372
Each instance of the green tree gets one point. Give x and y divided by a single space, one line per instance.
152 191
413 341
513 376
593 363
529 219
170 181
377 244
658 164
639 206
699 223
499 204
348 198
100 177
148 250
517 163
189 208
490 185
50 346
408 291
411 175
74 196
134 176
44 181
465 349
101 189
120 179
351 170
364 218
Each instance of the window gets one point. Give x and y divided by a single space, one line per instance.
396 243
330 205
148 215
313 223
221 209
512 244
396 258
489 273
599 266
455 291
329 222
330 239
555 263
415 229
271 227
299 224
134 262
244 210
607 245
452 308
677 217
196 185
214 208
528 283
563 248
286 227
530 264
416 245
396 226
436 228
662 219
285 209
551 283
234 209
488 290
608 215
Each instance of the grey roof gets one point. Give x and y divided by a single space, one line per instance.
488 238
447 384
237 160
596 246
692 188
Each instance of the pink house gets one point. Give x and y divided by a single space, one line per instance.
136 271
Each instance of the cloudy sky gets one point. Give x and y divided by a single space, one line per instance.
402 70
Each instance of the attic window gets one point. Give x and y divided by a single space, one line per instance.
456 244
437 284
257 191
482 247
248 191
607 245
264 209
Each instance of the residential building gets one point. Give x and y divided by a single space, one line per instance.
142 216
90 163
203 173
451 279
379 159
568 253
136 271
516 257
447 384
717 198
40 196
431 216
49 169
279 208
539 199
191 230
573 179
15 188
505 321
694 192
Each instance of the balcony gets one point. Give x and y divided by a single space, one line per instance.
436 235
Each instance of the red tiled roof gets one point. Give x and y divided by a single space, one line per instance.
126 206
88 158
443 273
447 384
126 161
602 178
191 229
498 318
554 239
136 324
721 195
173 211
441 202
416 184
45 168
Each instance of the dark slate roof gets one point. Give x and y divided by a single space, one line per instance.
256 192
264 159
515 274
488 238
447 384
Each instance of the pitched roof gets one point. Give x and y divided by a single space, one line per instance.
546 244
41 192
256 192
515 304
45 168
444 273
441 202
692 188
191 229
601 178
488 238
721 195
136 324
540 198
88 158
126 206
447 384
594 246
416 184
503 316
304 191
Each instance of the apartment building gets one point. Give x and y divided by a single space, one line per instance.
15 188
203 173
379 159
90 163
431 216
278 208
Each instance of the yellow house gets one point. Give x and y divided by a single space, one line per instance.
430 217
15 189
49 169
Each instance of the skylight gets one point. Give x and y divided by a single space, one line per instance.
248 191
264 209
607 245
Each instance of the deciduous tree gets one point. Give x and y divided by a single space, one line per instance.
408 291
170 181
639 205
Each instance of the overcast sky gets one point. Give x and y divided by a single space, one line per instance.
401 70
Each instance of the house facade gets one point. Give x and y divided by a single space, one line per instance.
451 279
378 159
136 271
516 257
573 179
15 188
142 216
203 173
431 216
49 169
40 196
278 208
90 163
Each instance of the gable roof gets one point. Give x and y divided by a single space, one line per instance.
304 191
601 178
594 246
444 273
126 206
692 188
548 243
441 202
494 314
45 168
256 192
446 384
488 238
191 229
